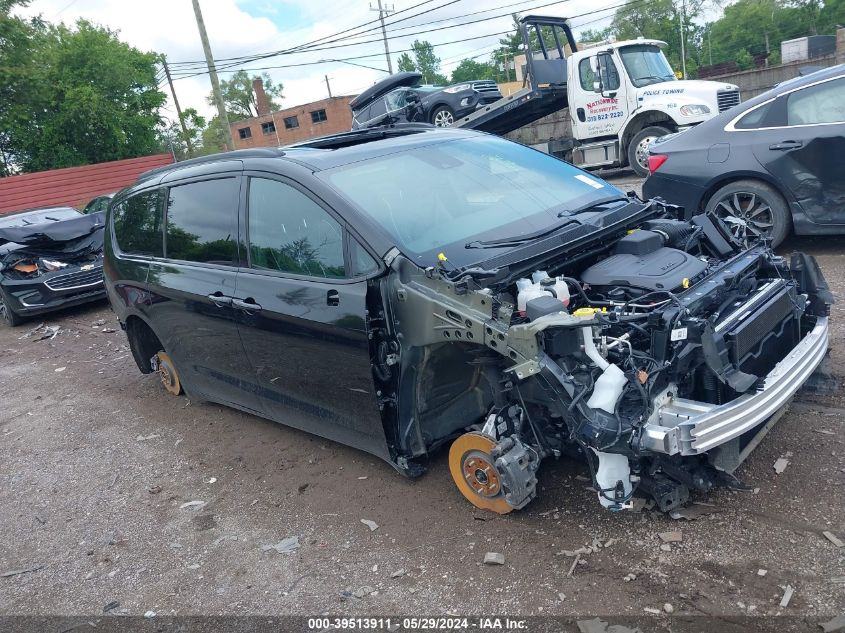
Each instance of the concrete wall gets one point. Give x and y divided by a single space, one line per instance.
757 81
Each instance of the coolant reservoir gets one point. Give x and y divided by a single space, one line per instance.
526 292
555 284
608 389
612 469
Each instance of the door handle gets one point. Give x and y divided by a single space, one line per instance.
247 304
786 145
219 299
581 114
332 298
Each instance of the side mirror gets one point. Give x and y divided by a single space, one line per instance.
596 86
604 74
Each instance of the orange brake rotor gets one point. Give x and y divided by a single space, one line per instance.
475 474
168 374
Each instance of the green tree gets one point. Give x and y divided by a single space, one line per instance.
470 70
19 77
90 98
239 96
831 15
213 136
427 63
591 36
173 137
405 63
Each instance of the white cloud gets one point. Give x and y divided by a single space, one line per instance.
246 27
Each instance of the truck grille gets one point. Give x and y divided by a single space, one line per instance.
727 99
78 279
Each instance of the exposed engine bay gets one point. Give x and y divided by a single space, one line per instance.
654 348
27 252
48 265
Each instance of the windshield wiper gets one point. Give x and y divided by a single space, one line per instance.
516 240
592 206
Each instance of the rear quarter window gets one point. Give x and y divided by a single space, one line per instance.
137 223
202 221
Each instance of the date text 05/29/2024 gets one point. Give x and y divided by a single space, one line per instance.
417 623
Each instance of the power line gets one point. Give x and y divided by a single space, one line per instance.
348 44
323 45
327 38
185 74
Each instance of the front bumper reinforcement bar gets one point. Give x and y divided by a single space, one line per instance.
689 427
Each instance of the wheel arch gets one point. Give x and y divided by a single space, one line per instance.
735 176
643 120
143 342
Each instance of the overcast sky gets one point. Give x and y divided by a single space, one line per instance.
247 27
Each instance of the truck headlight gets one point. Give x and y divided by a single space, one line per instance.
695 109
458 88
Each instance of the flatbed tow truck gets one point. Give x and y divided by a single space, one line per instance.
621 96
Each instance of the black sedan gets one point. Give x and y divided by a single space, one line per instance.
400 98
768 166
49 259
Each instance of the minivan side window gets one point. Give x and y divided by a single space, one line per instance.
822 103
137 224
291 233
202 221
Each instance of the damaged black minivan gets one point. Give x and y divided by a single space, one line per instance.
406 288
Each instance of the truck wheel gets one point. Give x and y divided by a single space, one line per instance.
7 315
638 148
443 116
752 209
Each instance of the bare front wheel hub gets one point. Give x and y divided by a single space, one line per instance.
481 475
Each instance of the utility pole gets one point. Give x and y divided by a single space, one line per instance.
328 87
682 19
212 72
710 43
178 109
387 10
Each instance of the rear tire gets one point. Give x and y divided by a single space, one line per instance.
7 315
638 148
443 116
752 209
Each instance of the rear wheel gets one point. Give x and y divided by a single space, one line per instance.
638 148
7 315
168 374
443 116
752 210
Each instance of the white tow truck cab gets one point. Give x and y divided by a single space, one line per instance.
621 96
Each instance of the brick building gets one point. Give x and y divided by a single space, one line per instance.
271 129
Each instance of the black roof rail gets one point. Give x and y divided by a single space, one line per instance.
258 152
362 135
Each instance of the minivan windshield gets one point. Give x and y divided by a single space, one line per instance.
646 64
444 196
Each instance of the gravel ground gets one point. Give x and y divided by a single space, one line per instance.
113 491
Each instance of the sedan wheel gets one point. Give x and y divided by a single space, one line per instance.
752 211
443 117
7 315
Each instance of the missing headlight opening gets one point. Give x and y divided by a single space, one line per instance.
653 348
